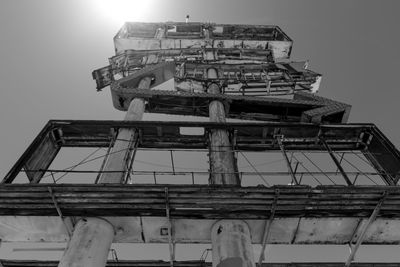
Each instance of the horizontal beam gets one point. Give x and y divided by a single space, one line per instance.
124 263
197 201
250 137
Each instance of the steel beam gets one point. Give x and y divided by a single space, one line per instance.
346 178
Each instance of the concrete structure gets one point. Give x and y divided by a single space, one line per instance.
220 71
92 237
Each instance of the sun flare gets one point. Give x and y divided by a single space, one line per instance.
120 11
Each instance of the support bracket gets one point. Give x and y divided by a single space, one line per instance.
67 227
346 178
364 230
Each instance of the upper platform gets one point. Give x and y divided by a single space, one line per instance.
178 35
251 62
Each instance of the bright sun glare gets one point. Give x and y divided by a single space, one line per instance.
120 11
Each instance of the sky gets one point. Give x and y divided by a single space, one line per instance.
48 49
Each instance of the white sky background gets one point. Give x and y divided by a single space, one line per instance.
48 49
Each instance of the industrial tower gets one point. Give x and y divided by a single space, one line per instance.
336 183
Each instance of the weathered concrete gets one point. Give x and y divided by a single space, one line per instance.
92 238
221 155
89 245
231 239
231 244
125 140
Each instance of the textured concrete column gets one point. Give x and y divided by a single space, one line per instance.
221 155
120 150
92 237
231 244
89 245
231 239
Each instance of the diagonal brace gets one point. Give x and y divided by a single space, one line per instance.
364 229
267 228
346 178
59 212
280 143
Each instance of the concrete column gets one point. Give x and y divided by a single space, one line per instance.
92 237
231 239
125 138
221 155
89 245
231 244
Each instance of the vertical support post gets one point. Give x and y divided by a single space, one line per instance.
92 237
231 240
221 154
125 141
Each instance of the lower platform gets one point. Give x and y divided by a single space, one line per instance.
303 215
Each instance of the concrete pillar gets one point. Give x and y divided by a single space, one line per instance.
125 138
231 239
221 155
231 244
89 245
92 237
